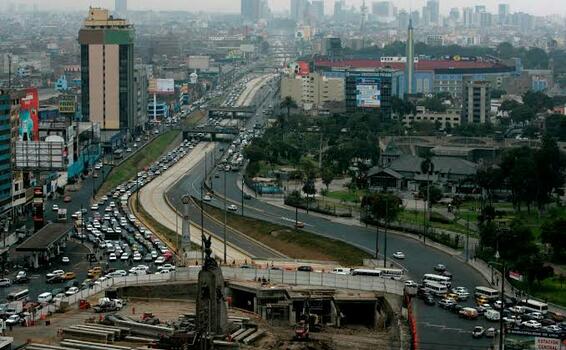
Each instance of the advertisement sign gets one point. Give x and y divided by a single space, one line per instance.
368 93
43 156
29 120
547 343
67 104
162 86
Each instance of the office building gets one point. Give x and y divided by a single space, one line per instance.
476 102
316 9
121 6
468 17
141 98
403 20
384 10
5 151
331 47
435 40
410 66
250 10
503 13
314 92
369 91
107 70
339 7
299 9
433 7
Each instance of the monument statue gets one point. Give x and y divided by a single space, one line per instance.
212 315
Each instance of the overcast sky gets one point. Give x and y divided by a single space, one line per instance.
539 7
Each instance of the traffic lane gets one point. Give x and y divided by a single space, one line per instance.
75 251
190 184
420 259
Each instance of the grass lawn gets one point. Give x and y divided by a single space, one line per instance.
551 290
346 196
144 157
297 244
416 218
193 119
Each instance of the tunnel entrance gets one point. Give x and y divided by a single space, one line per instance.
360 313
243 299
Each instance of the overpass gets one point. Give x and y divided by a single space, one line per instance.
234 112
210 130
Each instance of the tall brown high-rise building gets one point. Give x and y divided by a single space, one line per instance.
107 70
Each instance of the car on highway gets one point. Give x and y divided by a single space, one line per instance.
429 299
69 276
166 267
112 257
67 199
55 207
440 268
531 324
124 256
300 224
5 282
65 260
399 255
55 273
553 329
491 332
160 260
94 207
207 198
305 268
72 291
478 332
232 207
446 303
13 320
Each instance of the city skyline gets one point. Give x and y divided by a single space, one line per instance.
541 7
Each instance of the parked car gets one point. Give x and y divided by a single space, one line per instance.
305 268
14 320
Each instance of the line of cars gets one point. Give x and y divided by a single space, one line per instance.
487 303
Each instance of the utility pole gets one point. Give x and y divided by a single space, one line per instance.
225 216
202 221
385 233
242 195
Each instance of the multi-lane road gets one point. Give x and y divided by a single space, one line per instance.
438 328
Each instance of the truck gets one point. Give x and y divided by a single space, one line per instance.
108 305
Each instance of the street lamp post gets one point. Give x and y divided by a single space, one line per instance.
242 195
385 233
503 274
225 216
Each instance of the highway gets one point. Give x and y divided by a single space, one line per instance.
437 328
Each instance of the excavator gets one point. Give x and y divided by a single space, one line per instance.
307 322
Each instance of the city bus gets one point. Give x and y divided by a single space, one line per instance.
431 277
487 293
534 305
366 272
394 274
18 295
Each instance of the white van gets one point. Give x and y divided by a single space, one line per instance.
492 315
45 297
435 288
341 270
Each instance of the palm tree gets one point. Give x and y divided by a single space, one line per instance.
288 103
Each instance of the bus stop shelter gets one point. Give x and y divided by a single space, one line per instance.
45 244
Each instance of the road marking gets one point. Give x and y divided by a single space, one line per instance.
293 221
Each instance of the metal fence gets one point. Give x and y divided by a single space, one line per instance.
314 279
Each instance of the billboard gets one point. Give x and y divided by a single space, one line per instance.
28 129
41 156
67 104
368 92
199 62
162 86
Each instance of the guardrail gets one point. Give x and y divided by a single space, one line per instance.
303 278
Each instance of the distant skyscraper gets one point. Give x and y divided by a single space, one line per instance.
121 6
317 9
434 9
468 16
107 70
503 13
298 9
250 9
410 65
339 9
455 14
476 102
403 19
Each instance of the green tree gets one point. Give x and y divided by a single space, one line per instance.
327 176
522 113
288 103
549 171
254 153
508 105
555 126
505 50
537 101
435 193
535 58
383 206
553 233
434 104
